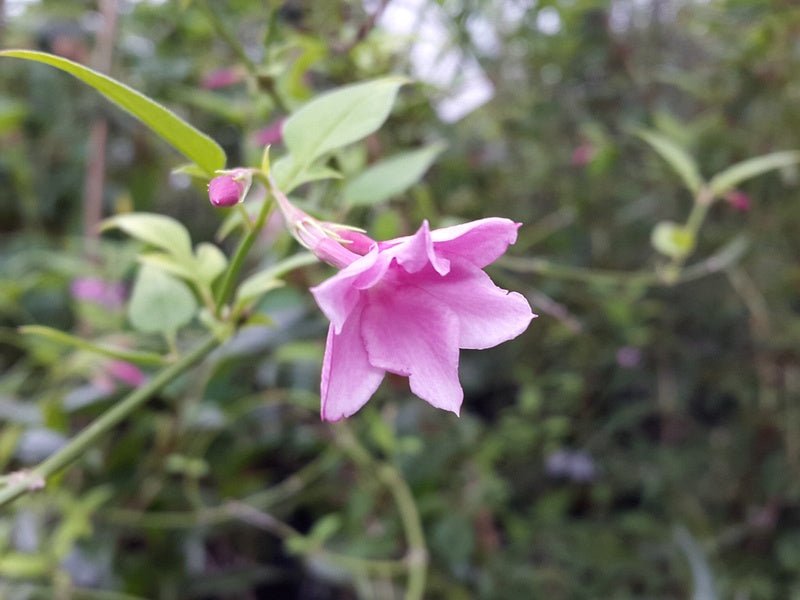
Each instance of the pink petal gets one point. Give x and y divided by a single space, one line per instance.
348 379
409 333
416 251
487 315
338 295
479 242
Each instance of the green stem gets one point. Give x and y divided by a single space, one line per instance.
264 83
55 335
237 262
417 550
722 259
19 484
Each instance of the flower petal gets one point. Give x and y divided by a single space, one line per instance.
408 332
348 379
487 315
414 252
479 242
338 295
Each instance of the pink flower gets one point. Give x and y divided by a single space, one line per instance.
583 155
109 294
738 200
271 134
220 78
230 187
126 373
406 306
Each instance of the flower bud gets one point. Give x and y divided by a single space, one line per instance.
230 187
738 200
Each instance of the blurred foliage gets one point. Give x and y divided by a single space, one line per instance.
636 442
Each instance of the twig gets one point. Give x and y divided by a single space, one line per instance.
78 445
98 136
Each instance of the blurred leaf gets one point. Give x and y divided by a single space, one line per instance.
391 177
160 303
11 114
747 169
672 239
193 144
339 117
683 164
17 565
268 279
168 264
325 529
157 230
211 262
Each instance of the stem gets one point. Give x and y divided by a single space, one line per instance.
417 551
722 259
230 38
34 479
237 262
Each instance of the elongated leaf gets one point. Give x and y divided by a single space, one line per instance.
391 177
157 230
160 303
747 169
680 160
192 143
338 118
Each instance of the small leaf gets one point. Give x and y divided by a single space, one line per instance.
260 283
160 303
672 239
288 175
168 264
157 230
192 170
391 177
187 140
211 262
680 160
339 117
747 169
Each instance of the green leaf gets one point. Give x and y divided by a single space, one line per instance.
260 283
747 169
193 144
289 175
157 230
168 264
65 339
160 303
680 160
672 239
18 565
339 117
211 262
391 177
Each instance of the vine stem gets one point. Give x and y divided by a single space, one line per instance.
417 551
22 482
237 262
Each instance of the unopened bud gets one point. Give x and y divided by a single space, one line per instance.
230 187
